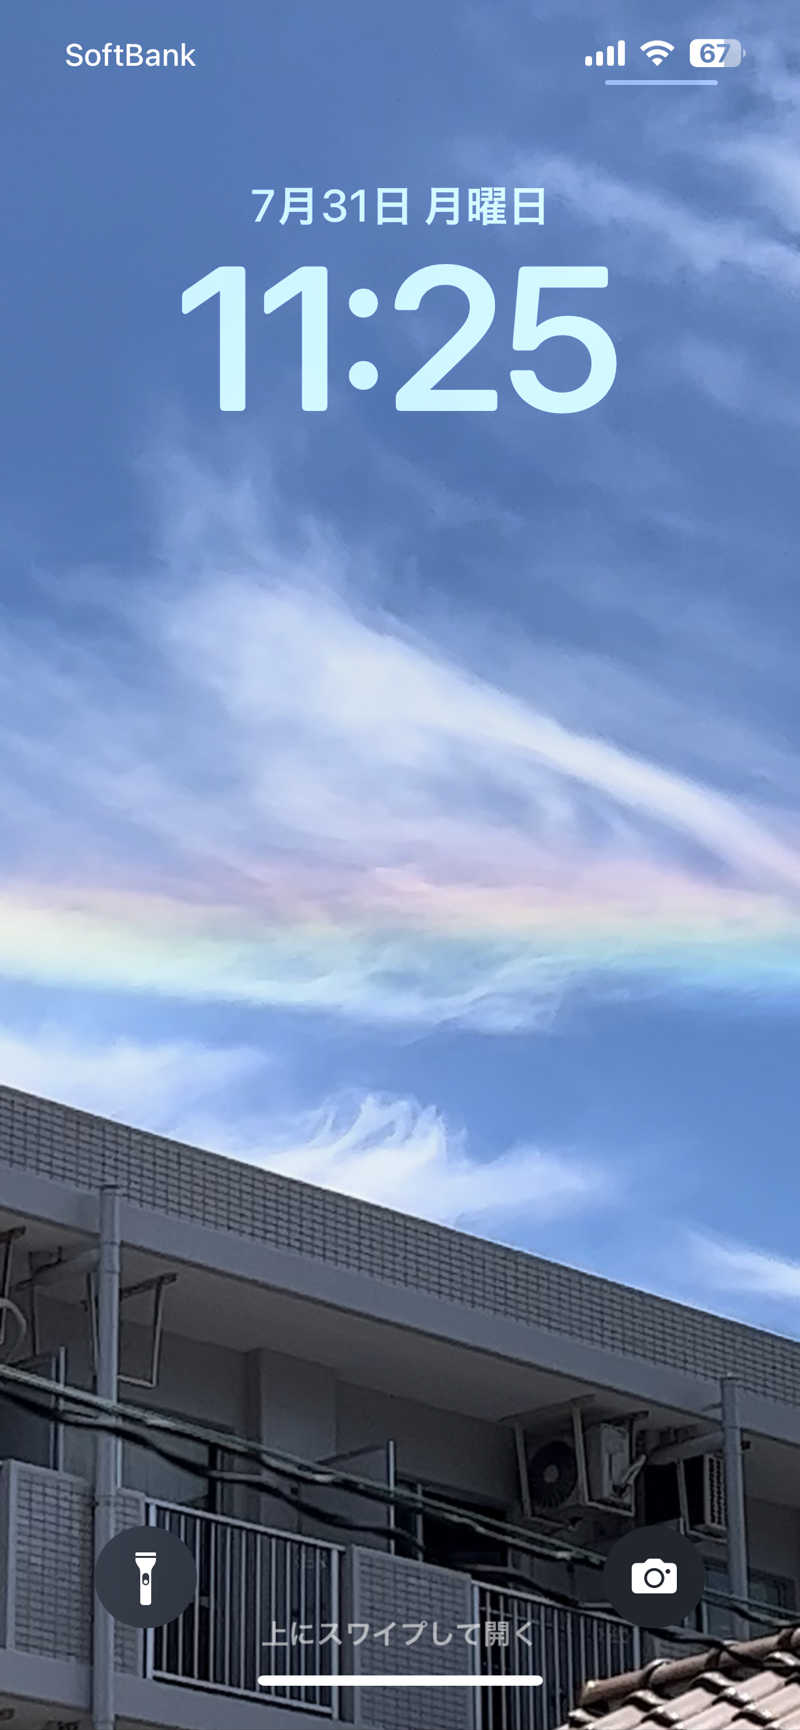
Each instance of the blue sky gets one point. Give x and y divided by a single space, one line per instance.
410 801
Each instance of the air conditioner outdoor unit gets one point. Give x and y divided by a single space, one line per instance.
608 1458
587 1469
702 1495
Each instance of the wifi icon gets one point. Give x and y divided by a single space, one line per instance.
657 51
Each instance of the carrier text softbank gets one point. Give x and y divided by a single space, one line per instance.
129 54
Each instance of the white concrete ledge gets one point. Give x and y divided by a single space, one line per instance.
157 1703
51 1681
62 1687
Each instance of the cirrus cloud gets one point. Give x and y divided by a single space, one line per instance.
250 783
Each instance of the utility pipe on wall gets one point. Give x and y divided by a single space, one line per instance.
734 1494
106 1452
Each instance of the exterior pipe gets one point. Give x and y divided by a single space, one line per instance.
734 1495
688 1450
106 1452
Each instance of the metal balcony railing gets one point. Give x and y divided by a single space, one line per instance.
526 1635
253 1584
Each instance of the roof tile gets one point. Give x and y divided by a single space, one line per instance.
734 1685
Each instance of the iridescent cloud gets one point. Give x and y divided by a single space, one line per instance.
255 787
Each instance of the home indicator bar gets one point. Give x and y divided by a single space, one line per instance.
383 1681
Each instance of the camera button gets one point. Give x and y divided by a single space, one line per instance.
654 1577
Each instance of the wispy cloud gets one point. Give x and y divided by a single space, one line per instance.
738 382
656 233
389 1150
398 1153
251 783
123 1078
736 1267
761 151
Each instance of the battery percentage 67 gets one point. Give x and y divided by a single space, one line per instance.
725 51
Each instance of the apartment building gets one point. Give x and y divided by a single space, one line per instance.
356 1420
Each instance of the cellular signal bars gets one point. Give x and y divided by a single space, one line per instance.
609 56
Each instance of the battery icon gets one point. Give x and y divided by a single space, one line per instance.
715 51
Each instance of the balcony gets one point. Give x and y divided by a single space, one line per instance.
253 1584
565 1647
252 1581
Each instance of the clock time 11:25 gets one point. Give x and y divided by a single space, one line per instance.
425 391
